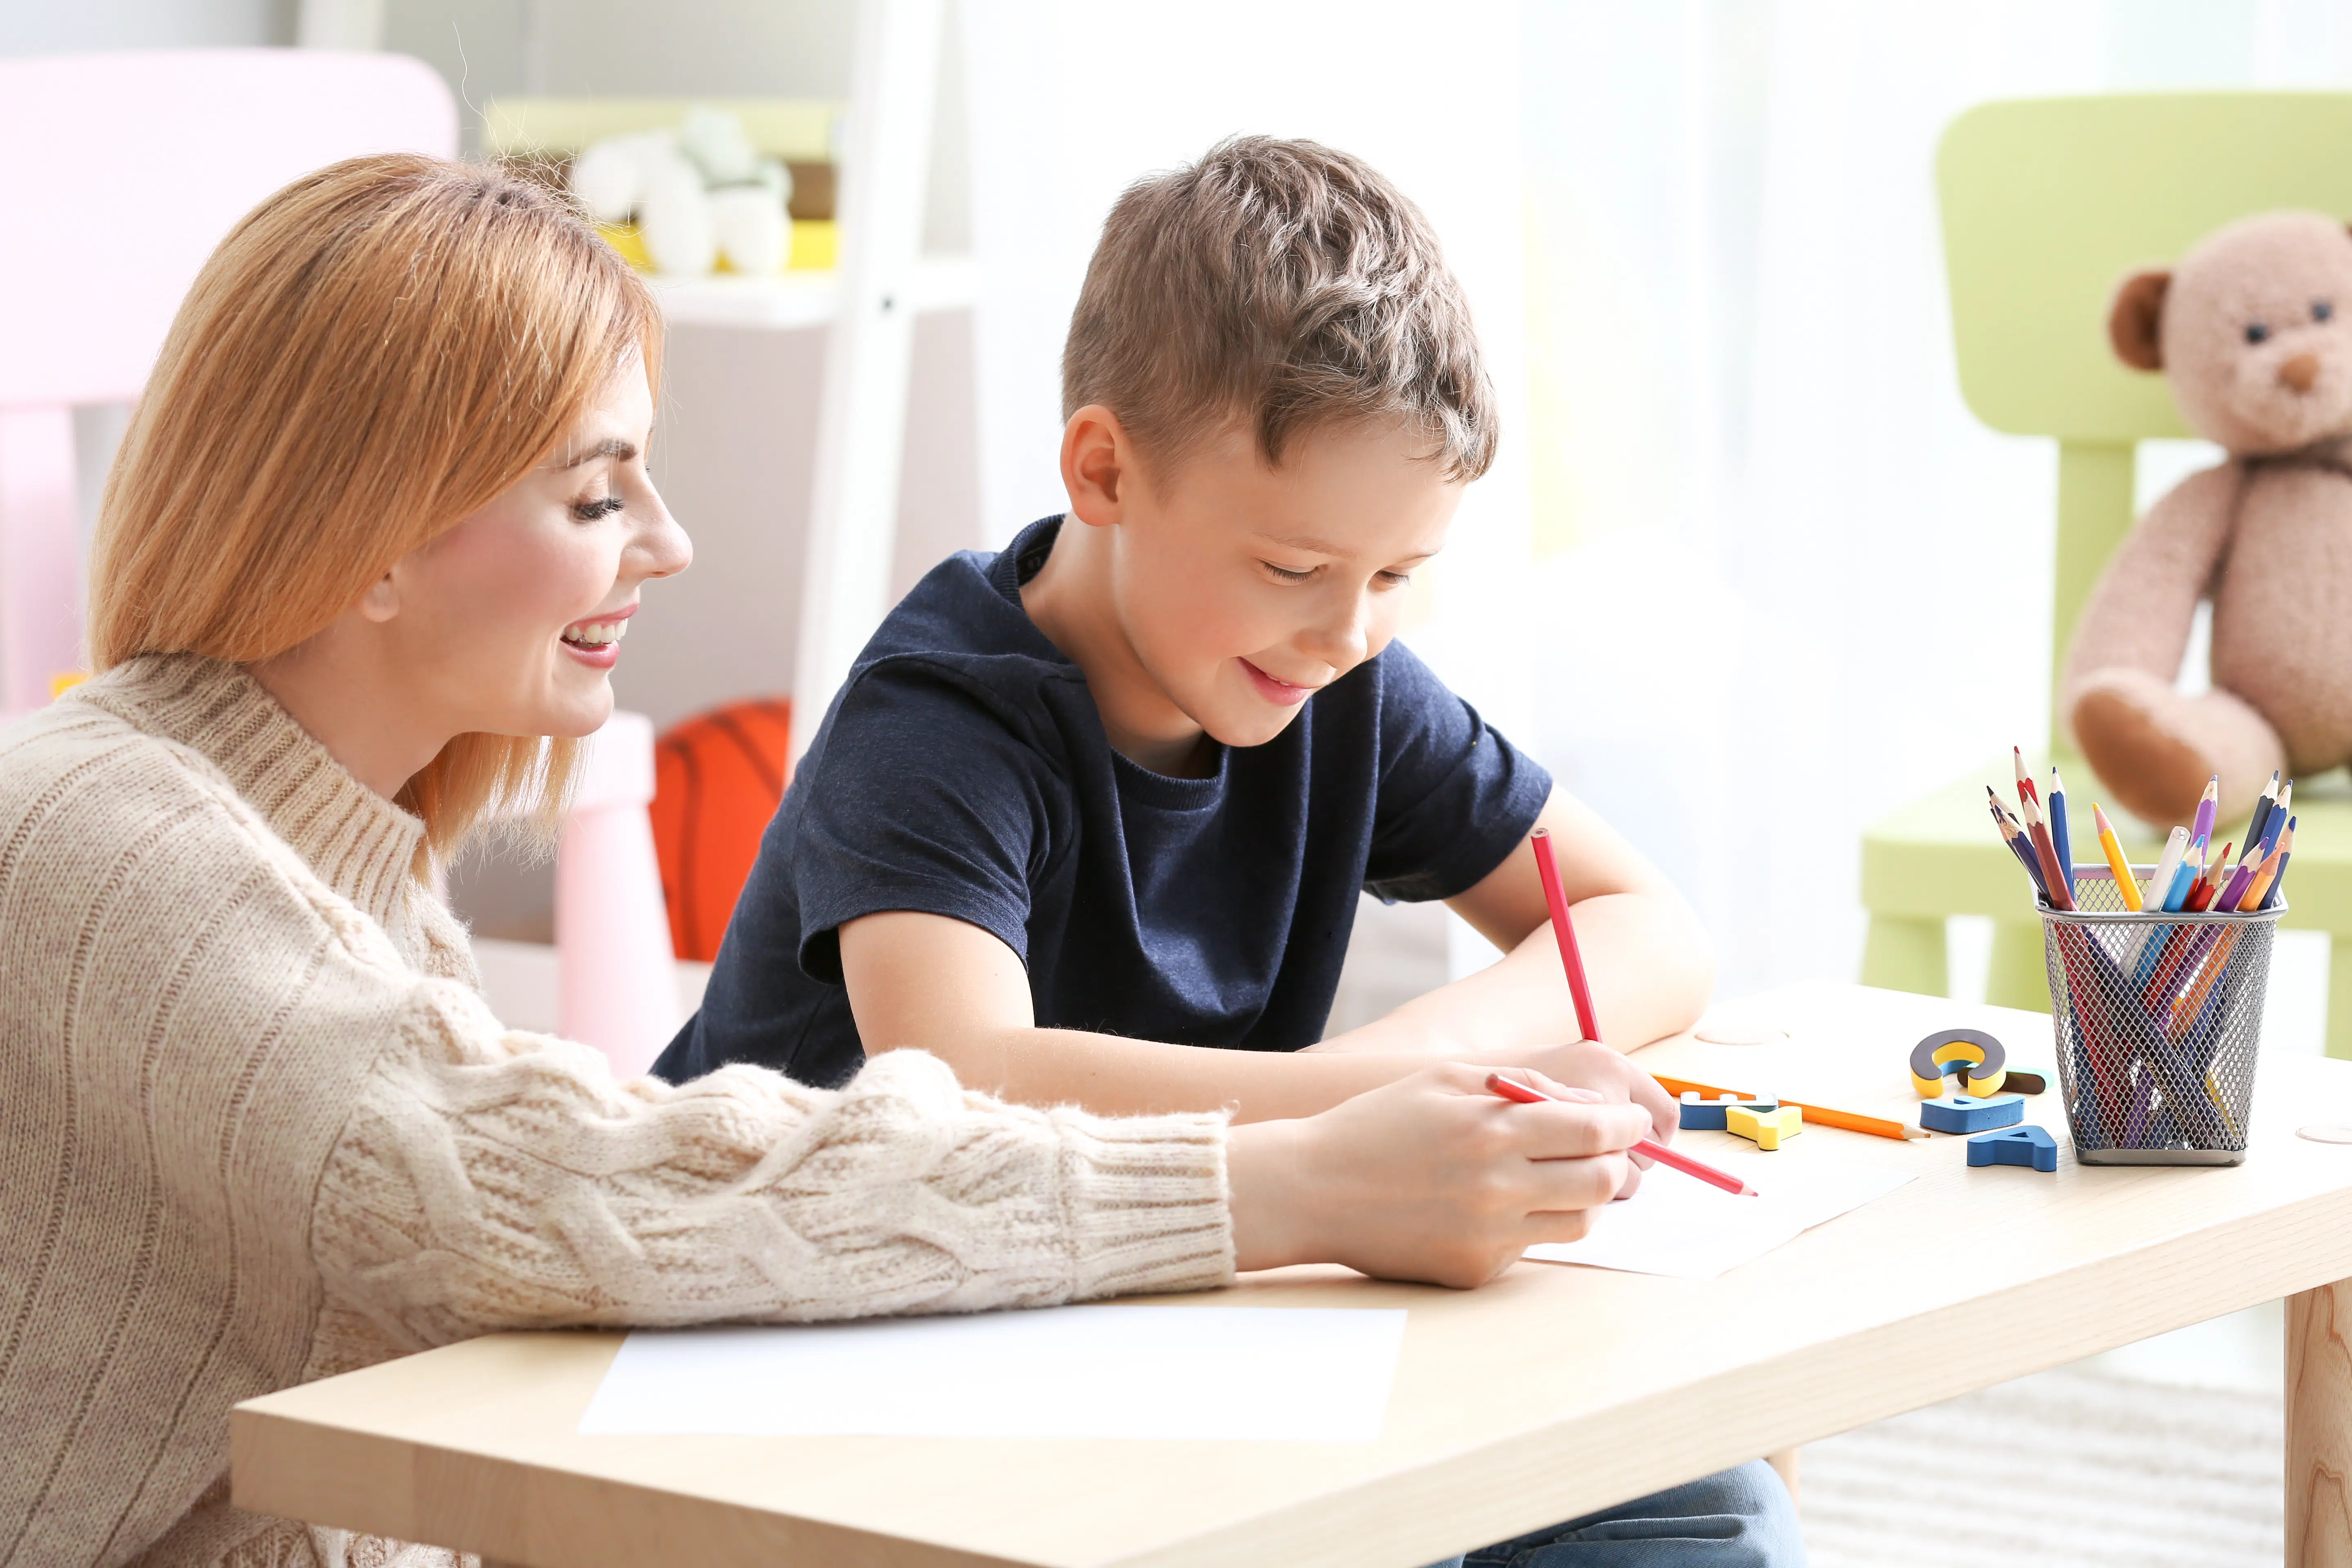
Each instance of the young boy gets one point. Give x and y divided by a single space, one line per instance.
1092 804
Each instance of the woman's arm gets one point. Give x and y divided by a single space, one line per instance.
1647 957
489 1179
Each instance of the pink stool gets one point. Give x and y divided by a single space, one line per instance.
616 977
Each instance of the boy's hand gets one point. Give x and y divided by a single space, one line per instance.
1430 1178
1589 1064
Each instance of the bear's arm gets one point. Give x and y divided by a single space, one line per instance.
2138 615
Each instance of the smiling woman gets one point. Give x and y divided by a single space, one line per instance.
363 570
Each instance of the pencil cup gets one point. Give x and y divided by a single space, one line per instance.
2158 1020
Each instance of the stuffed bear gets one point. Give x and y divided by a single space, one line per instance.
2253 330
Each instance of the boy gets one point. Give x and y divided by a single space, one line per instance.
1108 797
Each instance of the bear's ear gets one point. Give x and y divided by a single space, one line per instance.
2132 320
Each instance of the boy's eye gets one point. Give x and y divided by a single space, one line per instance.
2321 309
1394 579
590 510
1285 575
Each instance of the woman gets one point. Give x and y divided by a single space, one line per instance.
373 538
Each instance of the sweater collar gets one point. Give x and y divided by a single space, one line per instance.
359 843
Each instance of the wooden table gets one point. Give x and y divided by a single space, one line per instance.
1551 1393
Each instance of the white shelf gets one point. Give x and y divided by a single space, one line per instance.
797 299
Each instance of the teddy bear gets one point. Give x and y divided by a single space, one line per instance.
2253 333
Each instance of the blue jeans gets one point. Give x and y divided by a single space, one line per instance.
1739 1518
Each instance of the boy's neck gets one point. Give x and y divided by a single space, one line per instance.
1069 600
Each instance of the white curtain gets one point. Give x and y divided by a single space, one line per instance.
1749 573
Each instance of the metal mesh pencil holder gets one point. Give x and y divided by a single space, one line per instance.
2158 1020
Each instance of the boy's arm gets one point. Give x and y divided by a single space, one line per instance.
1648 959
940 984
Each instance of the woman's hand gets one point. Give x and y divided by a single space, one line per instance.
1432 1177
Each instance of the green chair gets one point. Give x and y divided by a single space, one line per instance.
2046 204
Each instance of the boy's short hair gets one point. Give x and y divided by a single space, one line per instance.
1283 284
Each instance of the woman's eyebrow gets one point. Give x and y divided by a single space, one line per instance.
610 446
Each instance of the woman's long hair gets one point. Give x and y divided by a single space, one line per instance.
374 352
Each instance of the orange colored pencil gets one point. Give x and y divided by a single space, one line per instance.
1821 1115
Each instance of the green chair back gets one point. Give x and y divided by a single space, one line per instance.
2046 204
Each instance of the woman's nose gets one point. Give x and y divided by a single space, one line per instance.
664 545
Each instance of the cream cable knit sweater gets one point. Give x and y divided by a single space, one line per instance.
257 1127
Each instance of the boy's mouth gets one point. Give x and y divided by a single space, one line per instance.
597 640
1274 690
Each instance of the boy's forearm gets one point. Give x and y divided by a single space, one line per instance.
1118 1077
1648 961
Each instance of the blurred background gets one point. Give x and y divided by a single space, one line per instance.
1747 575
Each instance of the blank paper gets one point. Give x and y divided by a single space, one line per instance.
1233 1374
1679 1226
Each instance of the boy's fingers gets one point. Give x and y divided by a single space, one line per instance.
1574 1132
1557 1186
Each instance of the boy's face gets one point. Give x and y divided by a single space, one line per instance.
1244 589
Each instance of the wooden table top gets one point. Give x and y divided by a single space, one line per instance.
1553 1392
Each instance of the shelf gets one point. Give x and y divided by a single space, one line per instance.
797 299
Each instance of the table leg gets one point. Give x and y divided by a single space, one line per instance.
2319 1427
1785 1461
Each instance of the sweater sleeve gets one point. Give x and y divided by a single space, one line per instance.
495 1179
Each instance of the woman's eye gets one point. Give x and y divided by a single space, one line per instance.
1285 575
2256 332
590 510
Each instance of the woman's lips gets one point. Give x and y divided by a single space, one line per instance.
1273 690
596 640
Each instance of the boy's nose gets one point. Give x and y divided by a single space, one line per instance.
2301 371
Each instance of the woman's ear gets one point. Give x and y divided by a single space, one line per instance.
382 600
2135 319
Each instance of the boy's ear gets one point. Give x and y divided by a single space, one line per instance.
2135 319
1097 462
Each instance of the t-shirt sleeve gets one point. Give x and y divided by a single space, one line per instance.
930 795
1454 796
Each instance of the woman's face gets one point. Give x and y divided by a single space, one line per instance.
510 623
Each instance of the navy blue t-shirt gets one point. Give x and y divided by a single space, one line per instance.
964 770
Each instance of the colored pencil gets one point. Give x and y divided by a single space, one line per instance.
2062 842
2239 879
2264 807
2014 837
1563 930
2166 866
2192 866
1821 1115
2208 803
2125 886
1512 1089
2277 823
2285 854
2047 853
2262 883
2024 779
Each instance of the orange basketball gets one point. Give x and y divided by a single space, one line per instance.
718 778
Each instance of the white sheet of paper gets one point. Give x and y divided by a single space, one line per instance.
1680 1226
1243 1374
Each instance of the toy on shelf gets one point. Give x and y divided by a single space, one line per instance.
1708 1115
1975 1058
1970 1113
2024 1145
1767 1126
696 193
2251 330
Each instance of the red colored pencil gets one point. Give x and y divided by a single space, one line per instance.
1563 930
2053 881
2026 793
1512 1089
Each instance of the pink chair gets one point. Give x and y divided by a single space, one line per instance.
119 174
